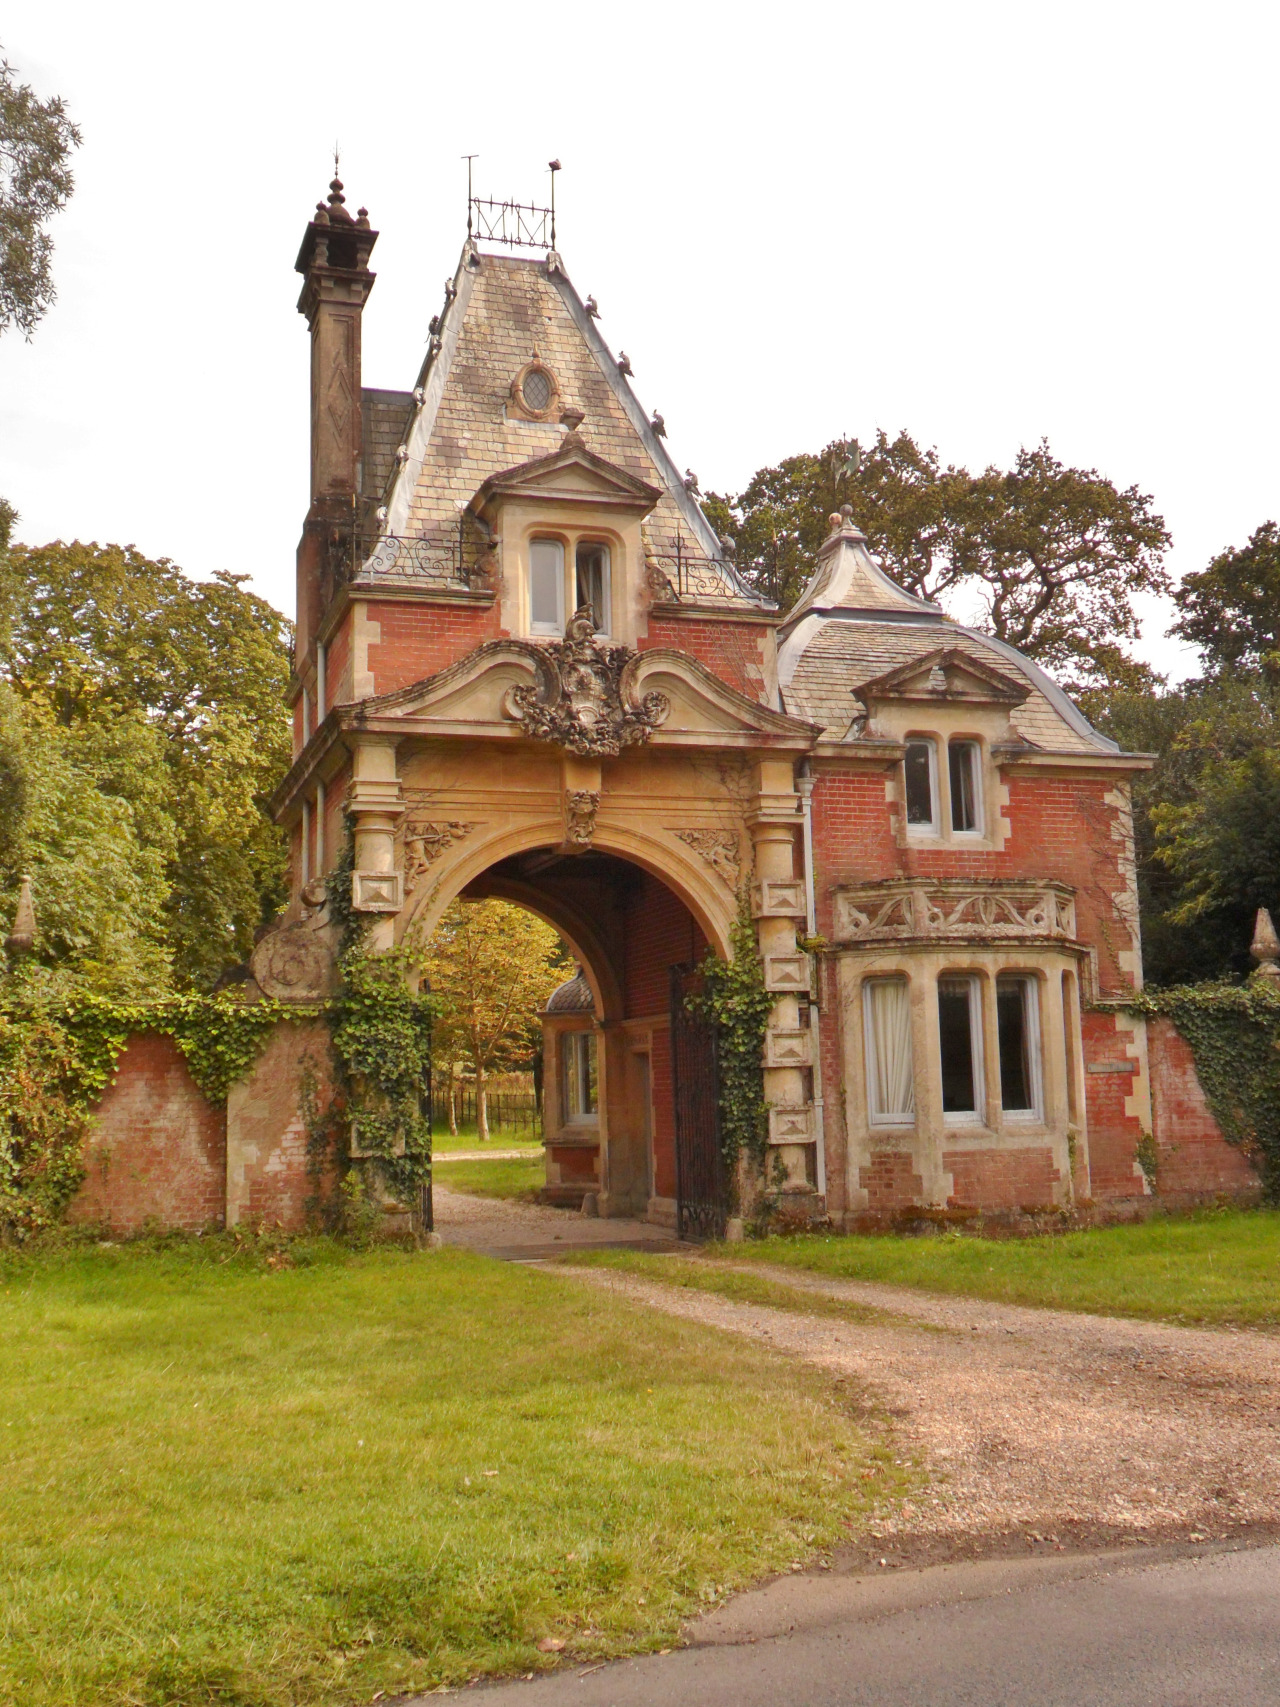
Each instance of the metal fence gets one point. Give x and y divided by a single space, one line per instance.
509 1110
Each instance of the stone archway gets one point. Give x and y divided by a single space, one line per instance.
628 927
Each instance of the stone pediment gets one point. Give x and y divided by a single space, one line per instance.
581 696
572 474
945 674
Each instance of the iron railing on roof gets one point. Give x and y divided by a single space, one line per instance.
451 560
693 578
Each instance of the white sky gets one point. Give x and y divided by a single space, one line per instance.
985 223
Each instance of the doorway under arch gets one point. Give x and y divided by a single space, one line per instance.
628 929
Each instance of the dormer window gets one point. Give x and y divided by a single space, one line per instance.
546 586
964 768
592 583
921 766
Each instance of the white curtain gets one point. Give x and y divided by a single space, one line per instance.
889 1040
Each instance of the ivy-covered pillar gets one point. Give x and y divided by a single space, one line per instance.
375 803
777 902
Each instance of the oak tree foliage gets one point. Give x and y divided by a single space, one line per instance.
36 141
1046 557
491 966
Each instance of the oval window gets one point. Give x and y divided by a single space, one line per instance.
536 389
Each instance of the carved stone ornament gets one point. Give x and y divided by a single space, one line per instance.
424 843
295 961
722 850
584 699
580 808
898 911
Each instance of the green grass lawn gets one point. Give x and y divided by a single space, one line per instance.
226 1483
467 1138
1221 1266
520 1179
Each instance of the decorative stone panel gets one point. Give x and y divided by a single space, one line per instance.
791 1125
788 1048
787 972
376 891
779 898
970 910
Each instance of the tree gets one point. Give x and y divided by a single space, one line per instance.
36 140
1051 556
1231 610
129 658
490 966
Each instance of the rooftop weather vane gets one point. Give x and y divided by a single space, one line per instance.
520 225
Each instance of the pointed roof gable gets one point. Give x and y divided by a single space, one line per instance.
847 577
945 673
569 473
500 310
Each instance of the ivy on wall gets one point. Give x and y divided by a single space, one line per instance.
57 1059
1233 1031
734 999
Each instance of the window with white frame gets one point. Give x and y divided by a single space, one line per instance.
886 1013
1018 1033
960 1047
920 774
578 1075
964 774
546 586
591 566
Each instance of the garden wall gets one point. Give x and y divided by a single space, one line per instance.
1194 1160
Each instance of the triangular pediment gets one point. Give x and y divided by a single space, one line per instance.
571 473
945 674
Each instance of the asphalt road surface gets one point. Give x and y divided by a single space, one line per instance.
1112 1631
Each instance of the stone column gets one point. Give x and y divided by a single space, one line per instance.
376 805
777 902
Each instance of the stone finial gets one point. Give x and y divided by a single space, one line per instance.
22 938
572 418
1265 947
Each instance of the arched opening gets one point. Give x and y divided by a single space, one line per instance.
608 1098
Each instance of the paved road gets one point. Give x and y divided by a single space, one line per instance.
1106 1632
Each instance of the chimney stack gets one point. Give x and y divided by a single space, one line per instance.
334 263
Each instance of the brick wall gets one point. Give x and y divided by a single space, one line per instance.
1194 1159
734 651
1001 1179
890 1181
419 639
157 1150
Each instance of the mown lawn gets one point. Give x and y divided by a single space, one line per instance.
520 1178
1222 1266
223 1482
467 1138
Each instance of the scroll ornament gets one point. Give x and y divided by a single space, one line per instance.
585 698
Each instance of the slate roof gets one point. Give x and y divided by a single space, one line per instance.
384 421
573 997
504 308
853 624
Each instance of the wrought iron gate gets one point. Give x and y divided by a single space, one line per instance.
702 1199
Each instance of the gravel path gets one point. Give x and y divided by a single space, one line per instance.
1038 1427
531 1230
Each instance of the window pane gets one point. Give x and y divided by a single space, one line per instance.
956 1039
546 581
593 583
589 1072
891 1080
919 771
1013 1017
963 758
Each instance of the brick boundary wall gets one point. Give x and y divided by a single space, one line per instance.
157 1150
1194 1160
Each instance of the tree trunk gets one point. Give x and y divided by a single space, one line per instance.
482 1105
453 1102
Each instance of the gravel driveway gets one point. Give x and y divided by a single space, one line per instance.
1040 1428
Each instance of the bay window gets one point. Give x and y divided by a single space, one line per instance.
960 1046
1018 1034
578 1076
890 1068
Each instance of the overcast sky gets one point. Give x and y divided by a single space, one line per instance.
985 223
